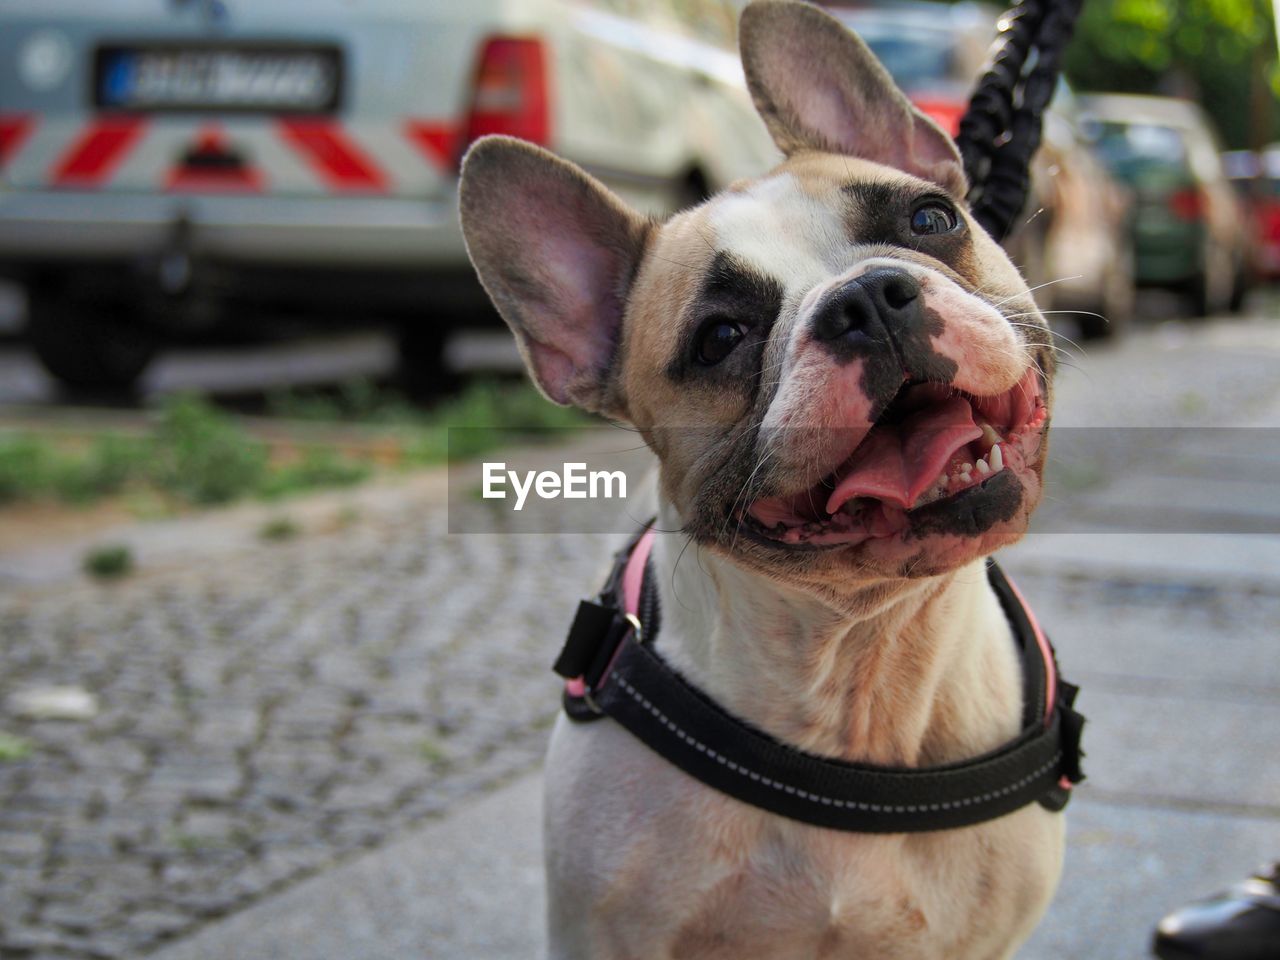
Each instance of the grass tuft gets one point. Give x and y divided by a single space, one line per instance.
14 748
278 529
109 562
203 456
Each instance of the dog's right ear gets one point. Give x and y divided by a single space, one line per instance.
817 86
557 253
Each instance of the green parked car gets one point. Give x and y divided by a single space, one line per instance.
1188 228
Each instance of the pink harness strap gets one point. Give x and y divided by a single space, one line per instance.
1050 668
1046 651
633 576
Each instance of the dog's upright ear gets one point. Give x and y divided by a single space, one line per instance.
556 252
818 87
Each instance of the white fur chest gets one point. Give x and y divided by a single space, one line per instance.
665 867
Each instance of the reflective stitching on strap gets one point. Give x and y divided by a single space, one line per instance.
816 798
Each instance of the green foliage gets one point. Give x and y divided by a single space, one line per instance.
319 467
433 752
110 465
513 407
487 416
30 466
109 561
14 748
24 466
278 528
198 454
1215 51
203 456
483 403
360 401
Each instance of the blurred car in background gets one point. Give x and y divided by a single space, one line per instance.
1265 206
170 165
1256 177
1189 231
1074 244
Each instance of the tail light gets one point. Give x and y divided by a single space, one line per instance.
1187 204
13 130
511 91
946 113
1269 220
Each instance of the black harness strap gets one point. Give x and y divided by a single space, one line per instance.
628 681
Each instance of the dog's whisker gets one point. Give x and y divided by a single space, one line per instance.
1038 286
1081 353
688 266
744 492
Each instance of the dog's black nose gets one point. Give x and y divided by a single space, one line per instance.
889 296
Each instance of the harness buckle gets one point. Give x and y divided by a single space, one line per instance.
589 689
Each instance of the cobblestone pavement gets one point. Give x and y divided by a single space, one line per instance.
263 715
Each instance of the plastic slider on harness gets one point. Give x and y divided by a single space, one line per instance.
584 684
611 673
600 627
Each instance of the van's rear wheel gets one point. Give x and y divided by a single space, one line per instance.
424 372
90 347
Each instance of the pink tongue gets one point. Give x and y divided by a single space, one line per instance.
896 463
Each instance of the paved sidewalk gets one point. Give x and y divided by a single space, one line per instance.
469 886
1181 685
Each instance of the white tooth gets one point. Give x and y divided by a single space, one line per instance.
982 467
942 479
997 459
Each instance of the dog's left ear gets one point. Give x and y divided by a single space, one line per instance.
818 87
557 253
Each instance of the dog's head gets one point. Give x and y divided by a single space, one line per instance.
839 371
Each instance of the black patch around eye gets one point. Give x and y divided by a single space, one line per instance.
933 218
886 213
735 297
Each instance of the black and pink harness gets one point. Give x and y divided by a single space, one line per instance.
612 670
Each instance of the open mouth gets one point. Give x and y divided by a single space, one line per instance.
932 444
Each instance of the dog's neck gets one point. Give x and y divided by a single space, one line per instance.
878 685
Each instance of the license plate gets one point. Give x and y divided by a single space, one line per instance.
241 78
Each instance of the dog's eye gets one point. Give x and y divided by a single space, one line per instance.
932 218
717 340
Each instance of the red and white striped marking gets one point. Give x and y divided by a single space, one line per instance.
14 129
293 155
93 156
337 159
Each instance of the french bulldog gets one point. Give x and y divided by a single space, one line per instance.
846 384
